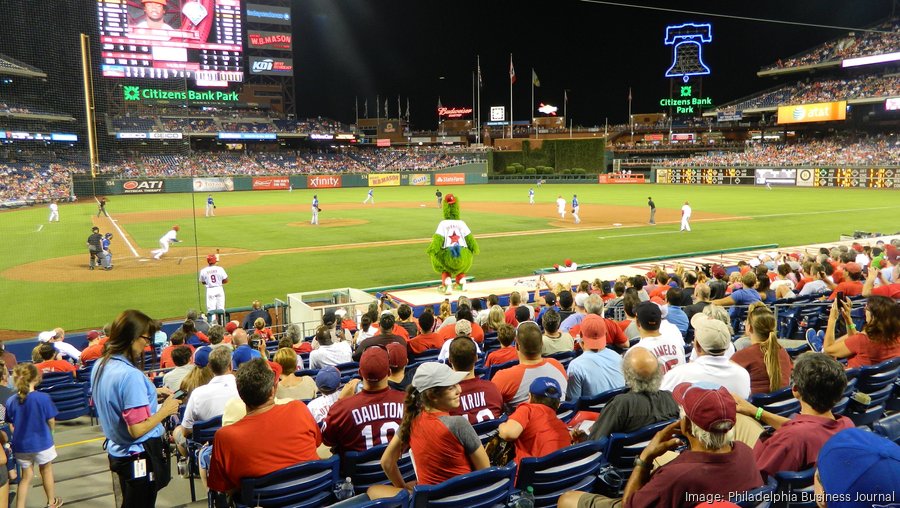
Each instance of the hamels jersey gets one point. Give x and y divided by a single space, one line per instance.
364 420
213 276
479 400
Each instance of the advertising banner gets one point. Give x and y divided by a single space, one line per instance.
383 142
817 112
268 66
450 179
271 183
779 176
323 182
420 179
268 14
143 186
260 39
224 184
726 116
384 180
892 104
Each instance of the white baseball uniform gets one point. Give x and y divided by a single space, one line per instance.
167 239
685 217
561 207
54 212
213 277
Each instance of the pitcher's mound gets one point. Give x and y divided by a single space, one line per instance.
329 223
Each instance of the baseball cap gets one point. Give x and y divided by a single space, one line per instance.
201 356
568 262
46 336
580 298
593 332
852 267
892 253
707 405
718 271
397 357
545 387
374 365
857 247
93 334
712 334
648 314
277 369
160 2
95 228
550 298
450 199
328 378
340 313
211 259
231 326
241 355
176 228
434 374
856 461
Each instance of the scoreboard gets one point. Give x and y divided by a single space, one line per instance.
853 177
873 178
200 40
706 176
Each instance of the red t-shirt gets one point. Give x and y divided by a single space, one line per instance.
55 366
502 355
543 432
802 283
233 458
849 287
93 352
302 347
796 444
510 316
868 352
448 332
165 356
441 445
614 333
888 290
421 343
397 330
479 400
364 420
751 358
514 382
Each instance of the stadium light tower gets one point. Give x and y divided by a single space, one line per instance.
687 54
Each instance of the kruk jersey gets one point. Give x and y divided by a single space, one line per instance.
364 420
479 400
212 276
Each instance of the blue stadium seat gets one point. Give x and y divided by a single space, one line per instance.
70 399
348 370
780 402
485 429
564 357
796 486
493 369
429 355
842 404
201 433
401 500
760 497
621 449
305 485
481 489
572 468
307 372
889 427
599 401
54 378
567 411
877 381
365 468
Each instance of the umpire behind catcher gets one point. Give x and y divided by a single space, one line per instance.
93 245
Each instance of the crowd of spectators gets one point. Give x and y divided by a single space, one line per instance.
167 119
34 182
885 40
823 90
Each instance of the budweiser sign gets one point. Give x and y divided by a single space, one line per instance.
323 182
269 40
454 112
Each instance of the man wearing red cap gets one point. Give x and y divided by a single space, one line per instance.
213 277
714 464
598 369
167 239
154 12
852 284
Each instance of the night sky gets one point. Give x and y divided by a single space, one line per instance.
347 48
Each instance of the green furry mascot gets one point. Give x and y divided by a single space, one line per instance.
452 248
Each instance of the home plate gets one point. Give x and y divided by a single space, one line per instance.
617 224
143 260
422 205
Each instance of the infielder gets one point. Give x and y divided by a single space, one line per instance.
210 206
315 210
370 197
652 206
213 277
561 207
531 196
686 217
438 195
575 208
54 212
169 238
101 207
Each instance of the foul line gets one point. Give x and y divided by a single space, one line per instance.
121 233
76 443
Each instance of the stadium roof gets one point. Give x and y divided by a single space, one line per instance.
12 67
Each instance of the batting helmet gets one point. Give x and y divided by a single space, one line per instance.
176 228
211 259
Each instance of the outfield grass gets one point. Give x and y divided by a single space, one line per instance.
786 216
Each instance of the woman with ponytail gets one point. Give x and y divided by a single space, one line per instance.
879 339
32 418
129 412
442 446
767 362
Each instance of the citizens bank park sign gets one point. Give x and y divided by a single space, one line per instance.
269 40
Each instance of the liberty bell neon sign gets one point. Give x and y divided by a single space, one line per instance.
687 54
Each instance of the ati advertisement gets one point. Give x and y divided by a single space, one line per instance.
450 179
143 186
323 182
271 183
199 40
384 180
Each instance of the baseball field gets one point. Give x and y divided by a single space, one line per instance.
269 248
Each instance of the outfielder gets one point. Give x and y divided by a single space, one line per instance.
54 212
531 196
315 210
686 217
167 239
652 206
370 197
210 206
213 277
561 207
575 208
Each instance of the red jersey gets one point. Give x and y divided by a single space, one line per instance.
868 352
232 459
397 330
502 355
849 287
302 347
614 333
55 366
165 356
510 317
479 400
421 343
93 352
543 432
889 290
449 332
514 382
440 446
364 420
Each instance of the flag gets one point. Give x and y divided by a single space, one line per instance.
534 79
565 96
407 109
480 84
439 103
512 71
629 93
366 106
386 108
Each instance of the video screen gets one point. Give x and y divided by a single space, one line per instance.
199 40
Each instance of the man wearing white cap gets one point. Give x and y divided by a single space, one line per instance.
154 12
56 337
711 340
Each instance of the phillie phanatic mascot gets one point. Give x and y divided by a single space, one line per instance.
452 248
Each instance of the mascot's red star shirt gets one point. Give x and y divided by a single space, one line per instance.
454 232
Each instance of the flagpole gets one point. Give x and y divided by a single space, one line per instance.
510 97
630 116
399 109
531 111
356 109
478 111
473 100
377 112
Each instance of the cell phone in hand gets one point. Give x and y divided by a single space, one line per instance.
179 394
840 296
